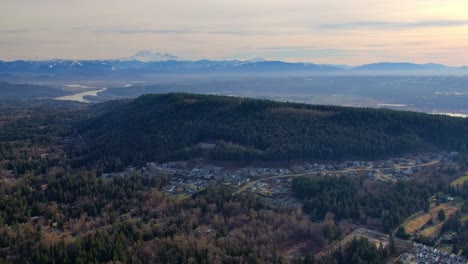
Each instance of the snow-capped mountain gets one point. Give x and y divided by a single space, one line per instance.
257 59
150 56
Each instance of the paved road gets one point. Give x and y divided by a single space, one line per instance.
252 183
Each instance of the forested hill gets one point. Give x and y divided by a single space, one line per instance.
171 126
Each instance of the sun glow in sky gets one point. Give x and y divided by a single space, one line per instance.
333 31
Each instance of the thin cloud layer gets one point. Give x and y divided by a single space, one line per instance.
333 31
396 25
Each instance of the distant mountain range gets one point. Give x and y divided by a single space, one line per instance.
147 62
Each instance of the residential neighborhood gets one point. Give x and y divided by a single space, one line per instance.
423 254
274 184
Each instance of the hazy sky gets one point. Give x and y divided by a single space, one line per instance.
323 31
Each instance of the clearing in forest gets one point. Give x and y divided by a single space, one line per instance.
416 222
434 230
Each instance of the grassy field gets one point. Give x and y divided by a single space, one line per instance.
434 230
419 220
416 222
447 207
460 180
181 196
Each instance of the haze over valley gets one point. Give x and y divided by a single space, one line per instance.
429 88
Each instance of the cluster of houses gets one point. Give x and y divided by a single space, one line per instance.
214 172
185 179
273 184
385 170
277 192
188 180
424 254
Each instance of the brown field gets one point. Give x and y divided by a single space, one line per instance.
447 207
434 230
417 221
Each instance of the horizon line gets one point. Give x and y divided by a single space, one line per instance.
235 59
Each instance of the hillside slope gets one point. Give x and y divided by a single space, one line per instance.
171 126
